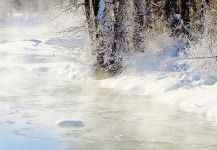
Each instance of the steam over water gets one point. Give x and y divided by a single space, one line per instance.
48 102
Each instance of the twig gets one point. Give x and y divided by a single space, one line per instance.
194 58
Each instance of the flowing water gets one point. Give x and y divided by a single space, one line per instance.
42 109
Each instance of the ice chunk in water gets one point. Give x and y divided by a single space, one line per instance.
70 123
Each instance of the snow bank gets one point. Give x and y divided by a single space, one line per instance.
167 88
157 76
154 75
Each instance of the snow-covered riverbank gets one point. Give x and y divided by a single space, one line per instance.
47 93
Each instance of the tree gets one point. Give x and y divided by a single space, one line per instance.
185 14
121 25
105 28
116 26
148 10
138 36
201 16
172 14
90 20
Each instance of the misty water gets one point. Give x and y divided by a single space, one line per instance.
41 108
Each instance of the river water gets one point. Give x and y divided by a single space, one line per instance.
41 108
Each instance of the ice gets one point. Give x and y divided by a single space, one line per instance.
70 123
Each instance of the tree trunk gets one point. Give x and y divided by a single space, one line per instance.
139 25
121 13
95 6
185 13
204 6
109 38
193 5
148 9
172 14
90 21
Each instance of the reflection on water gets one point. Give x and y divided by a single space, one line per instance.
15 140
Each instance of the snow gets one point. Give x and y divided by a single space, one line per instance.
32 55
177 16
157 76
100 14
70 123
151 75
166 88
30 49
47 88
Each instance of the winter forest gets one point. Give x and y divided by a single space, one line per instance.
108 74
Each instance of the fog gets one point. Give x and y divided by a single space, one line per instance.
10 7
49 99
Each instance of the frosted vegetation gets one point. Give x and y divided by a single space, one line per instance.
107 75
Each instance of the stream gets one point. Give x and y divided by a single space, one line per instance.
42 109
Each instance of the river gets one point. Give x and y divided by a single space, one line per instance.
41 108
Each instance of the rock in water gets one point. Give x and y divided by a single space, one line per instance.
70 123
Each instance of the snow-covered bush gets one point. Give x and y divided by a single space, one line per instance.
201 55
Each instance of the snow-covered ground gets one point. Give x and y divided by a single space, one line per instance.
49 99
33 59
161 76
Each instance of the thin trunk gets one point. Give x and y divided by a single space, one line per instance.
204 6
139 25
121 14
95 6
193 5
171 8
89 19
148 9
172 14
185 13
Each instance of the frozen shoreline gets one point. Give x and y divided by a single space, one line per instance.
46 90
46 52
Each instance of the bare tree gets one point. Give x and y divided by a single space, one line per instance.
138 37
185 13
90 19
172 14
149 15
